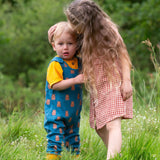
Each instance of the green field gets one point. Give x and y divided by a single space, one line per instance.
22 136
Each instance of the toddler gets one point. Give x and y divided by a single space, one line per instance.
63 92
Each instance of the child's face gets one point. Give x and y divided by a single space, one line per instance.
65 46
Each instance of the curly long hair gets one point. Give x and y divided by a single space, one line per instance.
101 39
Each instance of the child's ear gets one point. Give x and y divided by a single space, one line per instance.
52 43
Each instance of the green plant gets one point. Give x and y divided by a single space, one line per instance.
154 78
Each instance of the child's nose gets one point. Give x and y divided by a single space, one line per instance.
65 46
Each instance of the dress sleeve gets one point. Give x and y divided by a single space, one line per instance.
54 73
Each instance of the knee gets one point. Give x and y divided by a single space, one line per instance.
115 124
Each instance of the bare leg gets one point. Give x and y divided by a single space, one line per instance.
112 137
103 133
115 138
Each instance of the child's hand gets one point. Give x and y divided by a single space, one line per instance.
51 32
79 79
126 89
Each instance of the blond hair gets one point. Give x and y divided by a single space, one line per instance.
56 31
61 27
101 39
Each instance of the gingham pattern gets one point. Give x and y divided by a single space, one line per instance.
108 103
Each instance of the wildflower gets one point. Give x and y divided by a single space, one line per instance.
144 117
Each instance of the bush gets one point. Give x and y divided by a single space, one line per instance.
14 97
24 43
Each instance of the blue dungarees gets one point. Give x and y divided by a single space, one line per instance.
62 113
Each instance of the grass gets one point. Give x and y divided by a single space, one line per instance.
22 137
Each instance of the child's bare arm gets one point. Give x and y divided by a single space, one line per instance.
126 87
64 84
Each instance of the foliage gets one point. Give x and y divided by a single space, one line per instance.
154 78
24 24
140 22
147 86
137 21
15 97
24 34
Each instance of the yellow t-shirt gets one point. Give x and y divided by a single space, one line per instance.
55 72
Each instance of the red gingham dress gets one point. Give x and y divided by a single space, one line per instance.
108 104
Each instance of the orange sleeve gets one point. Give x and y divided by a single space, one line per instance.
54 73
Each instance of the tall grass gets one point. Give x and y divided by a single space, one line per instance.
154 78
22 136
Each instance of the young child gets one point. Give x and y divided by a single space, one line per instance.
63 92
106 68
